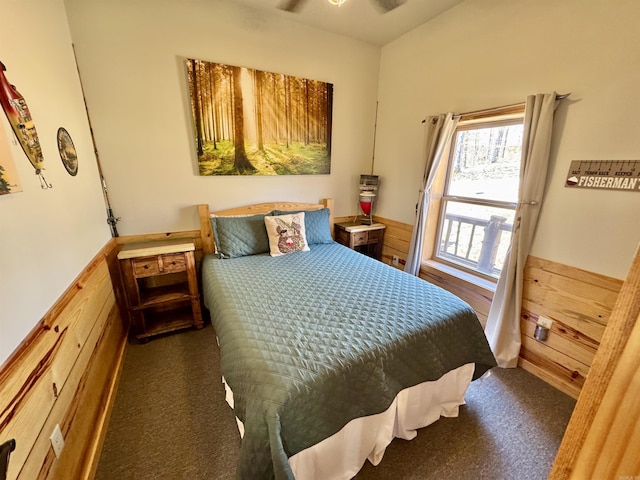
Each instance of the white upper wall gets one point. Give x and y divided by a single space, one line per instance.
47 237
488 53
131 58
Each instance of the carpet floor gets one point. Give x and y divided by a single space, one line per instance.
170 421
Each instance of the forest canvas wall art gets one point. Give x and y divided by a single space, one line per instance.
251 122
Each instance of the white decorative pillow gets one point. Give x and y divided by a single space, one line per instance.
286 234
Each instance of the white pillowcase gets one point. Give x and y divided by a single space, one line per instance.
286 234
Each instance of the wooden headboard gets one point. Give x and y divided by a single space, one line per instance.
206 234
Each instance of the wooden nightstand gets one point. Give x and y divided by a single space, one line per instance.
161 285
365 239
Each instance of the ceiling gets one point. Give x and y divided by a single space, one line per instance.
360 19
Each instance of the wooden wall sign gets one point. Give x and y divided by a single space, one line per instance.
604 175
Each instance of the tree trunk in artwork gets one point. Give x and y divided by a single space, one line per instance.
306 112
241 162
212 103
287 110
259 117
196 106
329 116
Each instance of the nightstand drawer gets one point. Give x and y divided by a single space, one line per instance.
173 263
146 266
360 238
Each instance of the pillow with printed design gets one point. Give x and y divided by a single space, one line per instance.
286 234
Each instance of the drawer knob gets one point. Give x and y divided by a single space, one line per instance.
173 263
146 267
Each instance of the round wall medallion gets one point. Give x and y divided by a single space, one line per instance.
67 152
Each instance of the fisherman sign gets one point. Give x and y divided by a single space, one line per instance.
605 175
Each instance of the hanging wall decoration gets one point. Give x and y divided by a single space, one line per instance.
67 151
623 175
250 122
17 111
9 181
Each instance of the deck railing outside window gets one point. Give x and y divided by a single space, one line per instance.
475 243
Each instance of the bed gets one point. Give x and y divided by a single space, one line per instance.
326 354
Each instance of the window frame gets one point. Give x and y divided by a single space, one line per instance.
438 195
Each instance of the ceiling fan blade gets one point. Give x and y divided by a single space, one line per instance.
291 5
388 5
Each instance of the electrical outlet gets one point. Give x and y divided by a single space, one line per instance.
57 441
395 260
545 322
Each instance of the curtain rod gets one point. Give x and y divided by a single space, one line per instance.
559 96
490 110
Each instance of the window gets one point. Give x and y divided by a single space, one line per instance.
480 194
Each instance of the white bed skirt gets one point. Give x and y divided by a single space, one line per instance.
342 455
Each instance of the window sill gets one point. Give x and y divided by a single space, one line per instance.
460 275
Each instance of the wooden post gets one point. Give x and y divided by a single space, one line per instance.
490 242
206 231
602 435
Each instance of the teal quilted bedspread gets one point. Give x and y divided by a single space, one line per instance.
312 340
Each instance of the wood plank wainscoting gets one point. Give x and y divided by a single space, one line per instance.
579 303
66 373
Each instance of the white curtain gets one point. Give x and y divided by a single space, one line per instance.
438 132
503 323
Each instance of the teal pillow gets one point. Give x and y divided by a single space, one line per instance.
240 236
316 224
